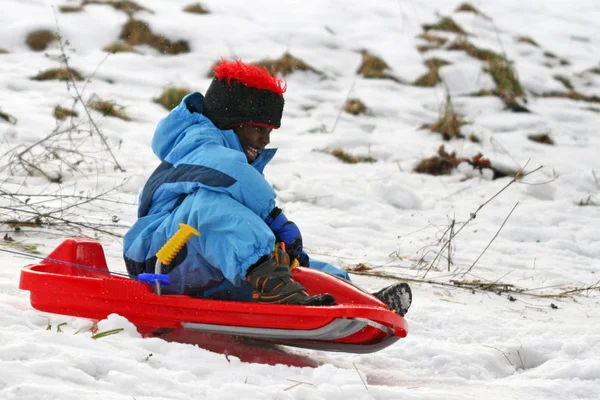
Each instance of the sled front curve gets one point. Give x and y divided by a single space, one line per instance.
358 323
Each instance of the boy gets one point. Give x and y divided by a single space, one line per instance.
213 153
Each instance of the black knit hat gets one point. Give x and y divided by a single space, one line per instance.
244 94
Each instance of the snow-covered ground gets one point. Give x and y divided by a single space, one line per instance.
461 344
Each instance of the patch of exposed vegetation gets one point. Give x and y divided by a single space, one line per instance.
572 95
481 54
127 6
444 163
586 202
108 108
373 67
60 74
70 9
474 138
595 70
543 138
39 40
527 40
355 107
3 51
446 24
508 87
349 158
171 97
8 118
433 42
432 77
119 47
449 123
61 113
555 59
468 7
565 81
136 32
196 8
285 65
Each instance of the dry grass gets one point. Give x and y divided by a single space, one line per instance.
70 9
136 32
543 138
444 163
595 70
433 42
565 81
554 59
468 7
60 74
108 108
355 107
171 97
61 113
508 87
39 40
349 158
572 95
432 77
446 24
196 8
474 138
373 67
481 54
8 118
449 123
119 47
527 40
586 202
285 65
127 6
3 51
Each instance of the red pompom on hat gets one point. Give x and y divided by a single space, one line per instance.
244 94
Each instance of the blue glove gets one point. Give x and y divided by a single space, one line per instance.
287 232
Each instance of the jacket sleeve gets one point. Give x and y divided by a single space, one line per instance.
201 147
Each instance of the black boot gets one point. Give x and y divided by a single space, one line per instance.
397 297
272 283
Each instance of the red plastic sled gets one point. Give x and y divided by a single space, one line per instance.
359 323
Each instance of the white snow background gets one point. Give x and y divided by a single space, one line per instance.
462 344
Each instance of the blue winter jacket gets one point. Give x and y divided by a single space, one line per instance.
205 181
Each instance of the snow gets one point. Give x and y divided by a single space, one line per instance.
462 344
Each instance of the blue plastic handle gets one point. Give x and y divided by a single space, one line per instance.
151 278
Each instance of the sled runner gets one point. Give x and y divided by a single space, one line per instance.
359 323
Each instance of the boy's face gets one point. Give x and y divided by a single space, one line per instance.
253 138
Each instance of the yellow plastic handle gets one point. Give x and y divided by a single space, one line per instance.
168 252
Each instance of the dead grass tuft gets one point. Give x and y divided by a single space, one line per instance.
586 202
508 87
119 47
349 158
553 59
39 40
60 74
70 9
61 113
572 95
481 54
543 138
446 24
355 107
108 108
8 118
432 77
565 81
285 65
444 163
127 6
527 40
433 42
136 32
468 7
196 8
449 123
373 67
171 97
474 138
